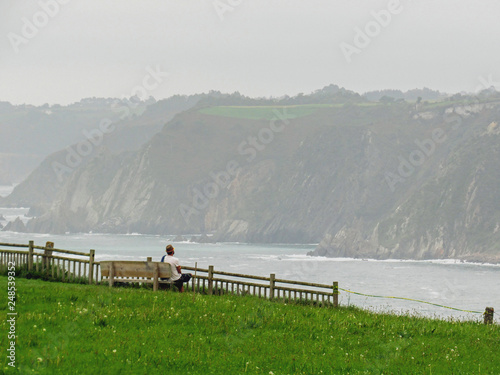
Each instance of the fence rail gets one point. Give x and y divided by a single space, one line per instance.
65 268
253 285
13 245
62 251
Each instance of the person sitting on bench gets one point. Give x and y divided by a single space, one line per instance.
177 277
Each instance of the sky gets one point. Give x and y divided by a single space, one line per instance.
60 51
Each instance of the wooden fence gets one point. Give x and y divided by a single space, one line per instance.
206 280
219 282
56 266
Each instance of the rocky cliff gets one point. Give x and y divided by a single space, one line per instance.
452 209
365 179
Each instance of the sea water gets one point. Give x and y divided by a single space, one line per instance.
6 189
451 283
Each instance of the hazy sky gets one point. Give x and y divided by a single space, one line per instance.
258 47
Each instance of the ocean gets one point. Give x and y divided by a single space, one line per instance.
465 286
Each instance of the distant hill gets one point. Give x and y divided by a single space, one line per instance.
410 95
124 135
382 180
30 133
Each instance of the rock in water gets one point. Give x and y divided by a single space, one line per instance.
15 226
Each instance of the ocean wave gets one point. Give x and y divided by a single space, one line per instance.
109 256
452 262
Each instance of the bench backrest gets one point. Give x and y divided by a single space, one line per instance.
135 269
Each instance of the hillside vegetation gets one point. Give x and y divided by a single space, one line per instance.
81 329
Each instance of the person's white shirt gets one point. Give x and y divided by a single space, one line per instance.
174 263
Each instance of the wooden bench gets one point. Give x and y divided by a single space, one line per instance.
126 272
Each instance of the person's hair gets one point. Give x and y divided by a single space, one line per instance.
170 249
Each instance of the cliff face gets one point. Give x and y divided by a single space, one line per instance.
451 211
365 180
456 213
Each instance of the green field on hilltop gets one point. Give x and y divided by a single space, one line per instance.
265 112
82 329
269 112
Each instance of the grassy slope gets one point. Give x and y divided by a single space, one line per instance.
268 112
257 112
80 329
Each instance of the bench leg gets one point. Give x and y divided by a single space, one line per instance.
155 279
111 275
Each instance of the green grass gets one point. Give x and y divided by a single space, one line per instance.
462 102
82 329
264 112
268 112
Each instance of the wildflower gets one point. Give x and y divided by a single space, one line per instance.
34 326
39 359
114 350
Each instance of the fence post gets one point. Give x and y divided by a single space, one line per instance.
271 285
46 256
155 278
210 280
91 266
111 274
335 294
488 315
30 255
